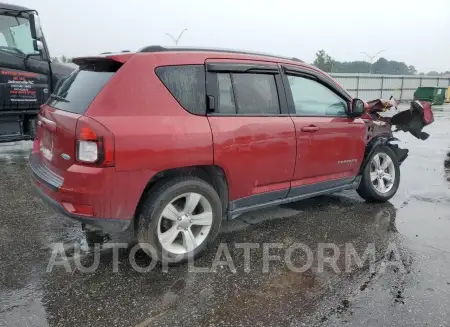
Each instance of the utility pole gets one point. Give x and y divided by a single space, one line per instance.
371 58
176 40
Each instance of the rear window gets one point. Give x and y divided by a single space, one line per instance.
77 91
187 85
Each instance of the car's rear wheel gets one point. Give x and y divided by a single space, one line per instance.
381 176
179 218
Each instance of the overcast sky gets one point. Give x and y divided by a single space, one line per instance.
415 31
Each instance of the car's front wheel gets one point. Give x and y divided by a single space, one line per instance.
381 176
180 218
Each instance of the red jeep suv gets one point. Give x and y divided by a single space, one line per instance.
170 142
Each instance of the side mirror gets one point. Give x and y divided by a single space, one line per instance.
357 108
36 31
38 45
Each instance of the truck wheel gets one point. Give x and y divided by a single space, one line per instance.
381 176
179 219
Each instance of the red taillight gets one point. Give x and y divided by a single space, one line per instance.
87 134
94 143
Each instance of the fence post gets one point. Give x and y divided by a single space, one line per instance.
437 82
401 89
382 85
420 81
357 85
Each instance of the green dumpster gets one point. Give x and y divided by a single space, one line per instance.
434 94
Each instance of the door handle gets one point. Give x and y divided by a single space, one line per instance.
310 129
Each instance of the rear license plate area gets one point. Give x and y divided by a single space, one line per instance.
46 146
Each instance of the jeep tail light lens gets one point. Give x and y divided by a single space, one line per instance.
87 151
87 134
94 144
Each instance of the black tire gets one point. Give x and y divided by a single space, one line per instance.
367 190
157 199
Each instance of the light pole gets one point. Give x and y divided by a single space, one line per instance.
176 40
371 58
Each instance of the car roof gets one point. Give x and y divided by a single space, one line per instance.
220 53
8 6
124 55
158 48
232 53
199 55
204 53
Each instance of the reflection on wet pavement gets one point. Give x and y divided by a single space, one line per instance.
415 223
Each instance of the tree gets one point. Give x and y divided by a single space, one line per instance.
323 61
352 67
412 70
65 59
384 66
327 63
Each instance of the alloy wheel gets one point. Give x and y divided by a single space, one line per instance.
185 223
382 172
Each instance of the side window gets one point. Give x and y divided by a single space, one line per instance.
187 85
22 39
314 99
226 95
247 94
16 35
3 42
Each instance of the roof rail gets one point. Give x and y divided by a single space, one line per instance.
158 48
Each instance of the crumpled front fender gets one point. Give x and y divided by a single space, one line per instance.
412 120
387 140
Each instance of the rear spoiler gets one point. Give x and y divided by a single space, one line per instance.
119 57
100 64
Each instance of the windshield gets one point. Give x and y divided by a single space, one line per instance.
15 35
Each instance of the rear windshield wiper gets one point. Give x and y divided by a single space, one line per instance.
59 98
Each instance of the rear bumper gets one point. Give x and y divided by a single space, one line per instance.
55 191
44 175
105 224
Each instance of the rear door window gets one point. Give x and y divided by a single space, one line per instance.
247 94
226 95
256 94
187 85
77 91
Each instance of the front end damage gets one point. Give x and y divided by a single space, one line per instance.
379 123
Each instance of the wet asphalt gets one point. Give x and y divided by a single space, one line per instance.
410 286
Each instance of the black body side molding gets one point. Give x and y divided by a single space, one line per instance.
271 199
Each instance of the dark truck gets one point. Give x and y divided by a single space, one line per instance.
27 75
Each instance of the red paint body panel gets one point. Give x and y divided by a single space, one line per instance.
57 133
153 133
86 186
256 153
320 154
